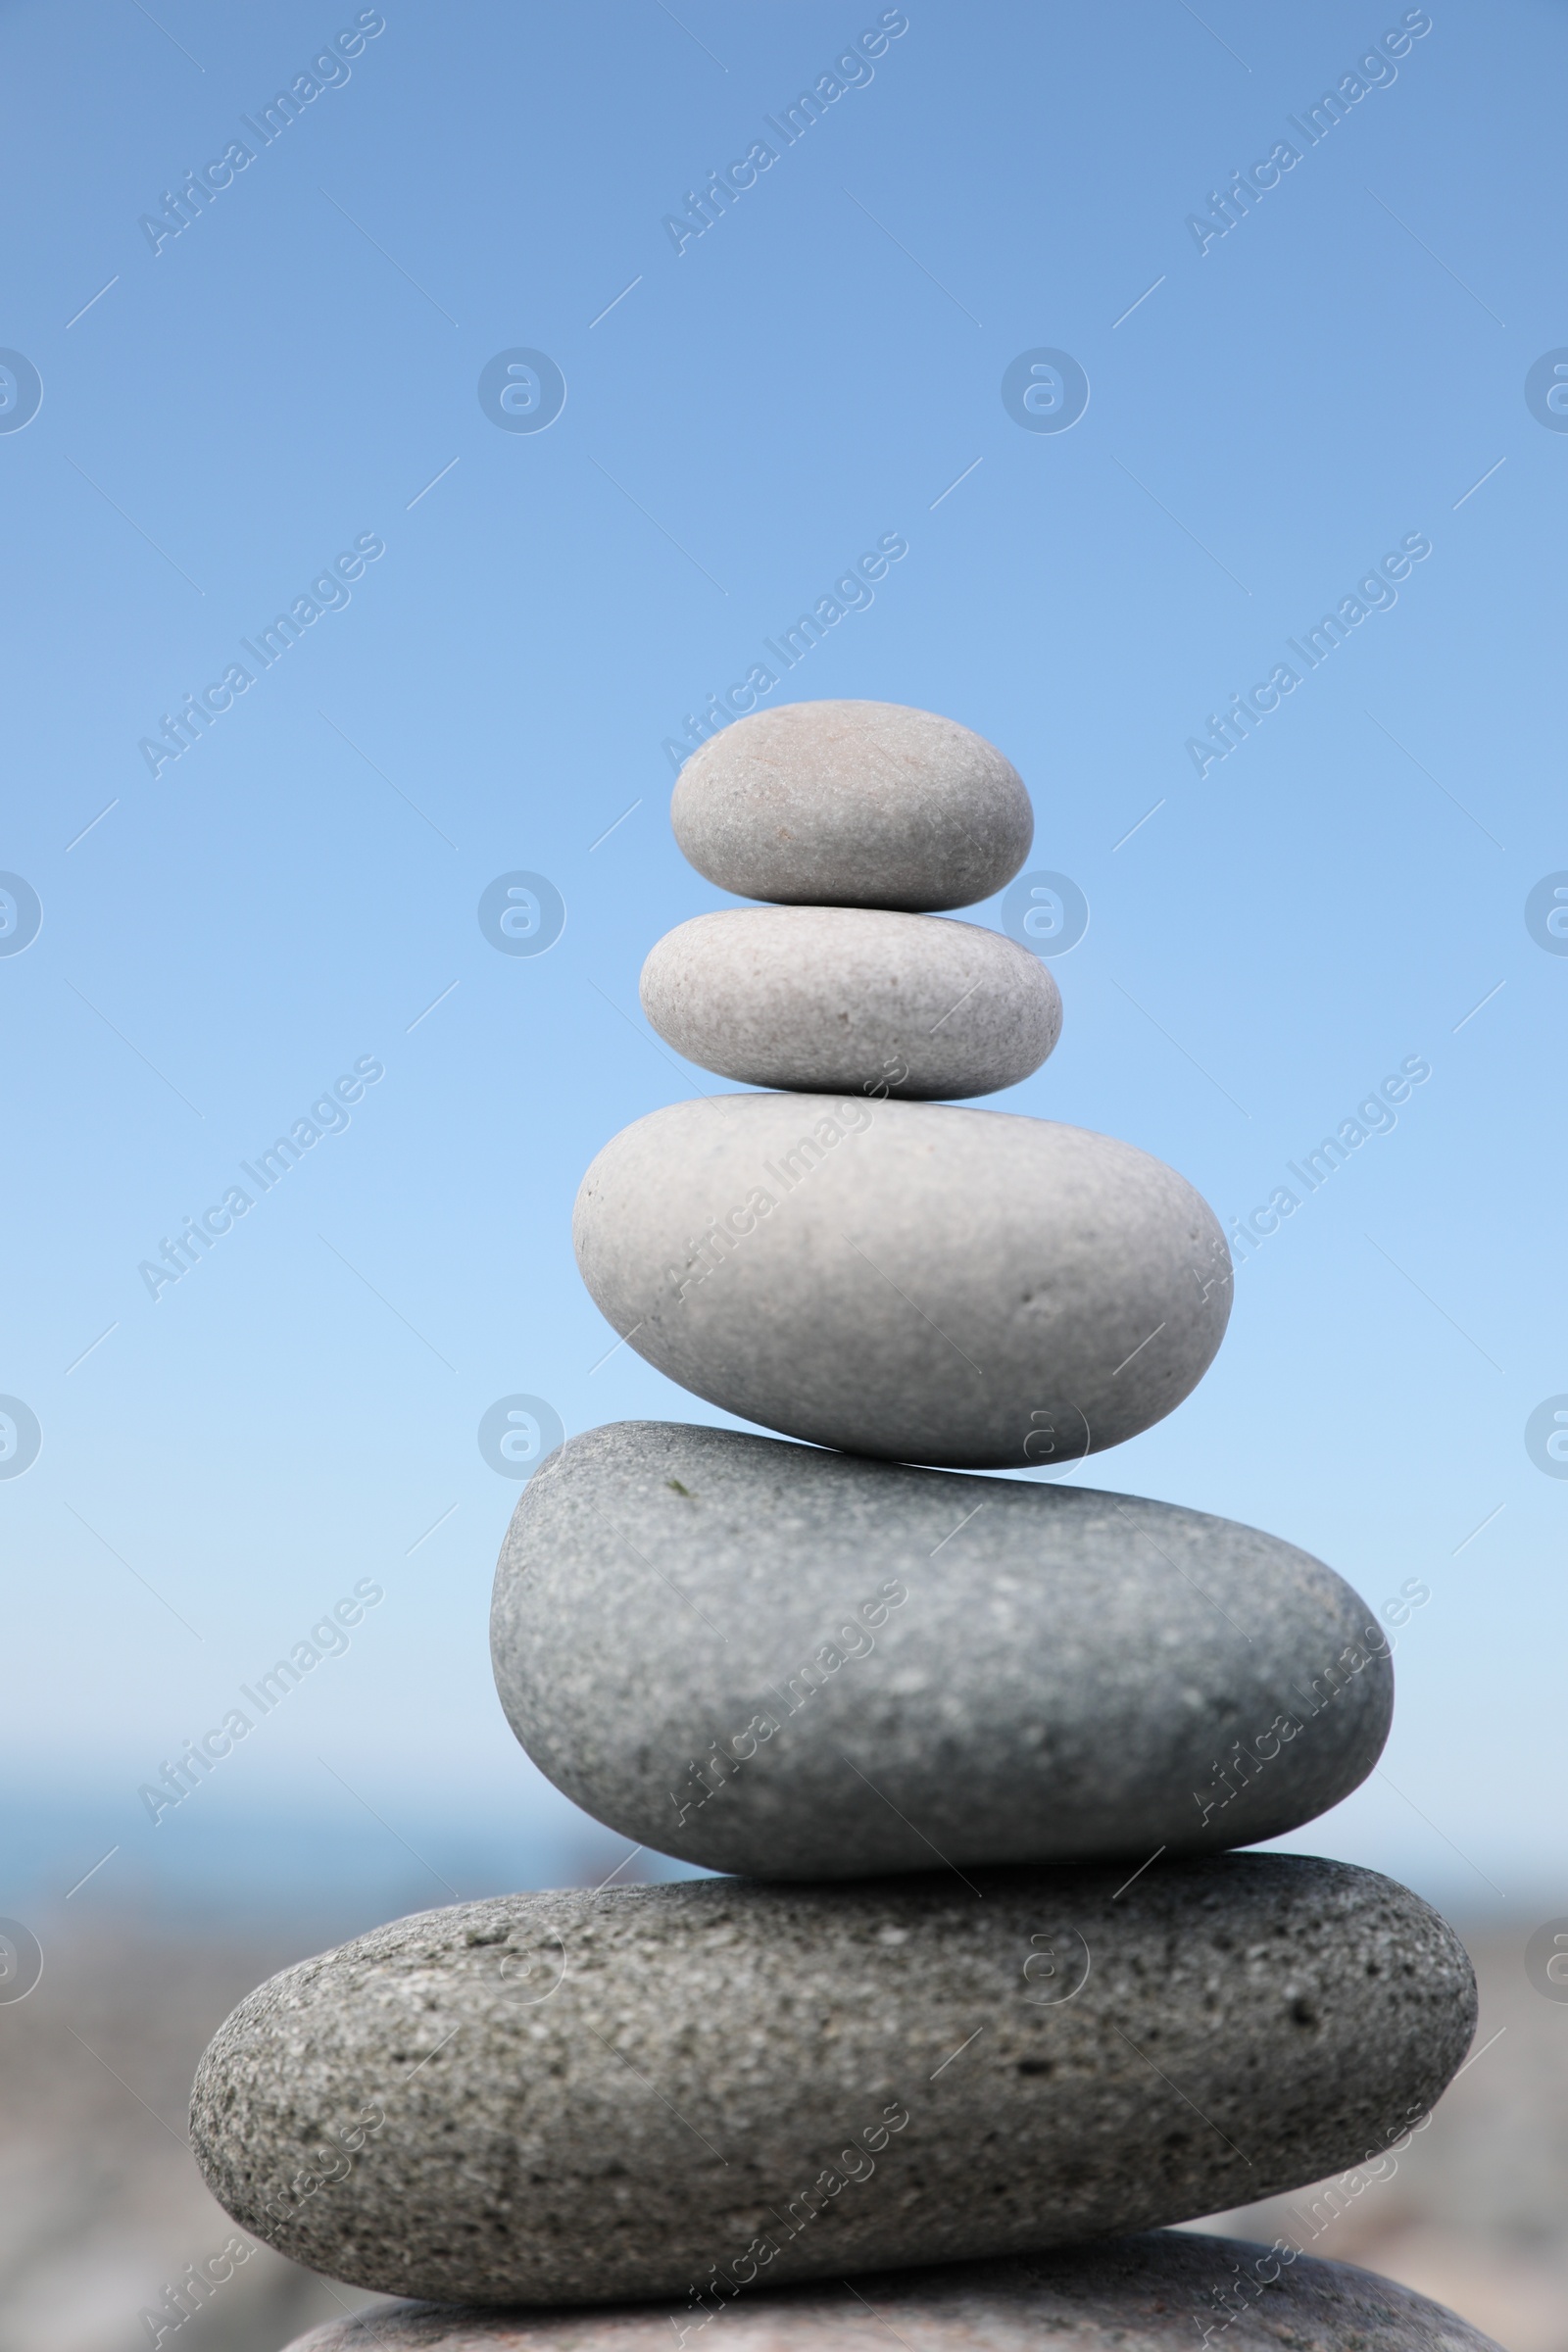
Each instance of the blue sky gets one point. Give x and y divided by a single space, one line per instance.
294 378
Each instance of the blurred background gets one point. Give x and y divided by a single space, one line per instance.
437 336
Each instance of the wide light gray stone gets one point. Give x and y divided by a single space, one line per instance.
906 1279
1157 2293
833 1000
579 2098
853 805
799 1664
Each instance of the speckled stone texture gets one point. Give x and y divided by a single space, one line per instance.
1122 2294
910 1279
581 2097
799 1664
853 805
835 999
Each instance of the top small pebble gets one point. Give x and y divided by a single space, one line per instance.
853 805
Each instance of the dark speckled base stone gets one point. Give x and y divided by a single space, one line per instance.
580 2098
1128 2294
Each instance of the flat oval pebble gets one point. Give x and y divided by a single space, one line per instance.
832 1000
792 1663
906 1279
853 805
1154 2293
578 2097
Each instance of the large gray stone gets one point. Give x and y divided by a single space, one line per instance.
906 1279
579 2098
1157 2293
853 805
833 1000
799 1664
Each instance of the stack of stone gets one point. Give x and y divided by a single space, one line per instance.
988 1981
